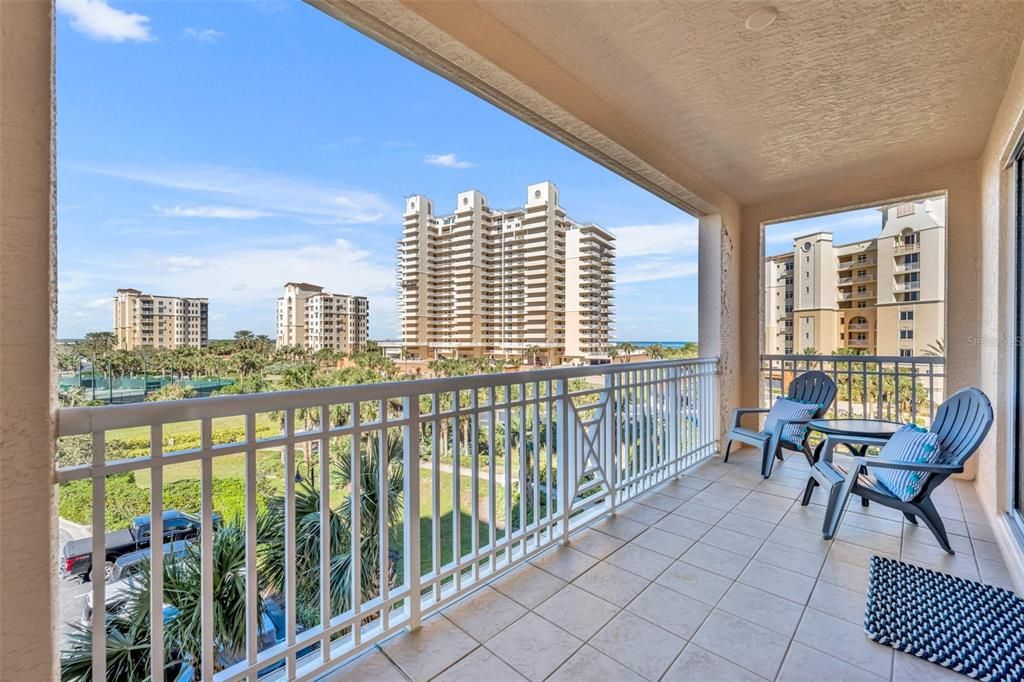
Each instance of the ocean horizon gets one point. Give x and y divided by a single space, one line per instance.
666 344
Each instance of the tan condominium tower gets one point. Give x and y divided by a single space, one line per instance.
882 296
311 318
527 283
145 320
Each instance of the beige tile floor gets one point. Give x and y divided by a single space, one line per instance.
719 575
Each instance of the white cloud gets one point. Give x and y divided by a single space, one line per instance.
312 201
785 233
179 263
446 161
648 240
98 20
225 212
205 35
653 269
242 284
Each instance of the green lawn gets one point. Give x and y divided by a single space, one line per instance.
263 420
233 466
447 518
224 466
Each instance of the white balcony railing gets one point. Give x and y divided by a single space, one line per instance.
522 459
910 247
869 386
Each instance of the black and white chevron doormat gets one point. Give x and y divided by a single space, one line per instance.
974 629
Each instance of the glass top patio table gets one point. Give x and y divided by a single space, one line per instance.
855 428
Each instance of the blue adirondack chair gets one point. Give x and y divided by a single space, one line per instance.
814 387
962 422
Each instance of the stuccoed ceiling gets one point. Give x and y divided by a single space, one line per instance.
831 90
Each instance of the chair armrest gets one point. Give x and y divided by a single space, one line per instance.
738 412
915 466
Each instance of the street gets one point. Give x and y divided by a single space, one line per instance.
72 592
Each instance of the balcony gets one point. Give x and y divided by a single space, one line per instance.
856 263
900 249
907 286
674 588
573 482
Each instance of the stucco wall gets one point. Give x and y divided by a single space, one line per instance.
959 181
996 335
28 518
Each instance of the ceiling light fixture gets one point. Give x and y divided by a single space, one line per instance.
761 18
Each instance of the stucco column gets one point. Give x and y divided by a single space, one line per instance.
28 529
718 295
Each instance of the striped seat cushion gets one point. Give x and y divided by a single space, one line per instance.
791 410
911 443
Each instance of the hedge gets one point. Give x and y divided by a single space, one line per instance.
77 450
126 500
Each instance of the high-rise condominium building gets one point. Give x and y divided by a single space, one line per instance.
882 296
520 283
159 321
309 317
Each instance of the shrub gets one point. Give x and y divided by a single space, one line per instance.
126 500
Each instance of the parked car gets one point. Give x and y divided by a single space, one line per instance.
132 563
76 557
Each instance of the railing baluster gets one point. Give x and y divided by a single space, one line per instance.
456 489
523 446
325 531
156 559
549 447
251 581
474 484
291 602
99 526
535 458
435 492
608 430
411 502
355 493
564 458
492 415
383 484
507 466
206 548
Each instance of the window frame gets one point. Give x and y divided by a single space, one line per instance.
1016 512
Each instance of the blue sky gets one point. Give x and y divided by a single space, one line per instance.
221 149
847 227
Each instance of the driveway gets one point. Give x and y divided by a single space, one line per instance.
72 592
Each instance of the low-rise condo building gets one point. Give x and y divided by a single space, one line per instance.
309 317
146 320
525 283
881 296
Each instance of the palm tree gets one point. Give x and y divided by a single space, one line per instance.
613 352
128 631
272 529
263 344
936 349
533 351
627 349
248 362
655 351
128 644
245 339
810 350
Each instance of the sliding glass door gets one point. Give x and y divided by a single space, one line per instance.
1018 453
